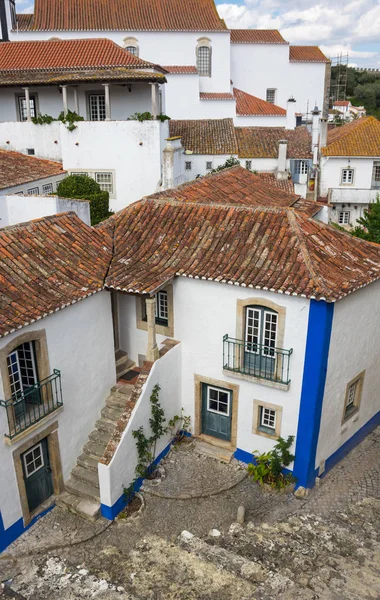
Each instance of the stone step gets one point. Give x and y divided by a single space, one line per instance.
83 490
93 449
86 476
99 437
123 365
88 462
216 452
88 509
120 354
112 414
123 388
105 425
117 401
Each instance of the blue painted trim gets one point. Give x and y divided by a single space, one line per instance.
313 386
243 456
350 444
111 512
7 536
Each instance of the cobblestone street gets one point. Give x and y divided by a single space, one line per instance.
326 546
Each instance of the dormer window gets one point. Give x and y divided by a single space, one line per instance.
131 45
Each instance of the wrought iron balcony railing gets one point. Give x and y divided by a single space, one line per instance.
257 360
31 405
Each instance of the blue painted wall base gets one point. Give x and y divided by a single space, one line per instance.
7 536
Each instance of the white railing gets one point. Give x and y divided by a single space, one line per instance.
352 196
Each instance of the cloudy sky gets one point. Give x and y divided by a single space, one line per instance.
351 27
336 26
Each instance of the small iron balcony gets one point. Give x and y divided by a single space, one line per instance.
257 360
31 405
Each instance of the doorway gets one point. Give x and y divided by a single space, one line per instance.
37 474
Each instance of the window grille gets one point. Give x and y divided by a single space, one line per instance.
188 165
204 61
347 176
268 418
248 164
301 167
209 166
34 190
105 181
47 188
97 107
271 95
344 217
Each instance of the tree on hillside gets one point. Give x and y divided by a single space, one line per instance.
82 187
369 225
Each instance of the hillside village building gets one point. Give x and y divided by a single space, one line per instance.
277 355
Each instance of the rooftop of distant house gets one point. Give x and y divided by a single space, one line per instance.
51 61
357 138
248 105
342 103
262 142
205 136
122 15
17 169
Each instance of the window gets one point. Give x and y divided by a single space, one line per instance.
47 188
248 164
376 174
34 190
131 45
271 95
161 307
353 396
301 167
267 419
97 106
19 194
188 165
33 460
208 165
22 107
30 151
105 181
204 61
344 217
347 176
79 173
218 401
260 342
132 50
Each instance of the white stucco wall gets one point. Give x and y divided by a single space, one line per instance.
18 209
182 96
257 121
45 139
198 164
203 313
80 345
354 347
121 471
331 173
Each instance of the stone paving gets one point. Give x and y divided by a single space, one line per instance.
142 559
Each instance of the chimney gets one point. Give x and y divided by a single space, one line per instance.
323 133
291 113
172 164
315 134
282 173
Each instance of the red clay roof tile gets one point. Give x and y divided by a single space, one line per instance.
216 96
256 36
181 69
205 136
17 168
247 105
262 142
123 15
358 138
307 54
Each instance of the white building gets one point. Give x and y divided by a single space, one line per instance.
267 360
350 169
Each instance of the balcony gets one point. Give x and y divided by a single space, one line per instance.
28 407
257 360
352 195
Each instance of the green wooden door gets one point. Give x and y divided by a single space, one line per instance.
37 474
216 411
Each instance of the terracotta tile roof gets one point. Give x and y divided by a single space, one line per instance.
58 76
286 185
215 96
358 138
276 249
341 103
181 70
247 105
206 136
309 207
233 186
262 142
17 168
24 21
90 53
256 36
123 15
46 265
307 54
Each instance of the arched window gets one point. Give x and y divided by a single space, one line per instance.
131 45
204 61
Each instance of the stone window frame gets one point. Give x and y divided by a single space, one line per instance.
131 42
257 405
51 433
343 169
234 389
358 397
141 323
42 359
204 42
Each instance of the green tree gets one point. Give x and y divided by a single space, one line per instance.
82 187
369 225
230 162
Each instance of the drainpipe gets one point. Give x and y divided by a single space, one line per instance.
152 353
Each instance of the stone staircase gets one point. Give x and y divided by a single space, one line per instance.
123 363
81 495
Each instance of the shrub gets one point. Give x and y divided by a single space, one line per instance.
268 467
83 187
230 162
147 116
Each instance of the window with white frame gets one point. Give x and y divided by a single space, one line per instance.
97 107
79 173
34 190
33 460
344 217
161 307
267 419
353 396
47 188
271 95
208 165
248 165
347 176
218 401
105 180
30 152
188 165
376 174
301 167
22 107
204 61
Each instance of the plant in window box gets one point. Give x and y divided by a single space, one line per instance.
268 467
